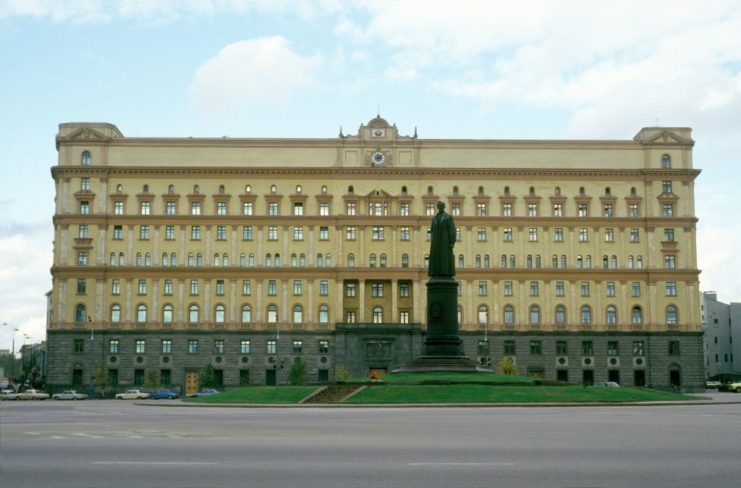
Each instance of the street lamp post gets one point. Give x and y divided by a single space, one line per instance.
12 347
23 355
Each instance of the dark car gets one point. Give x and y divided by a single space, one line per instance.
164 395
205 392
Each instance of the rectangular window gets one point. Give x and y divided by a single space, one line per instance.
532 209
78 346
671 288
118 207
508 291
145 208
430 209
610 289
194 287
140 346
587 348
633 210
637 348
635 235
674 348
273 209
272 232
84 208
669 235
560 289
509 348
117 232
635 289
116 287
297 347
81 286
558 234
377 290
324 209
351 208
298 208
455 209
247 233
481 210
350 290
666 187
297 287
167 289
272 288
404 209
323 347
585 288
169 232
246 287
85 183
378 234
608 211
218 346
82 231
609 235
220 288
82 258
557 210
534 291
350 233
323 233
667 210
114 346
195 208
583 210
166 346
536 347
244 346
247 208
142 287
562 348
350 317
404 233
507 210
583 234
220 232
404 290
271 347
613 348
482 289
324 288
170 208
670 262
192 346
532 234
195 232
143 232
483 348
507 234
481 234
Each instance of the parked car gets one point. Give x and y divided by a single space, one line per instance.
713 384
205 392
32 394
68 395
734 386
606 384
133 395
164 395
8 395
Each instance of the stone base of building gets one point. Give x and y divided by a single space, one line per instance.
442 364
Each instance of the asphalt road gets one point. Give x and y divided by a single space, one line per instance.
115 444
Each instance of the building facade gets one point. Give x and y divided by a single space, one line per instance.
575 258
722 338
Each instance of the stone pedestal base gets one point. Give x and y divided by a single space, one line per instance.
448 364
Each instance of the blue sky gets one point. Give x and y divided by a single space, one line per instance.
464 69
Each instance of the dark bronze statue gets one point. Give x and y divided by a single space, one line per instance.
442 259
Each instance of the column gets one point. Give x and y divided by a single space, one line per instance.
361 301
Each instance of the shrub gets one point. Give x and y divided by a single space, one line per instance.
507 367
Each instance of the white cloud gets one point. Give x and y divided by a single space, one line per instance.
257 71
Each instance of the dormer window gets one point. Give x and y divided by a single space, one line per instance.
86 159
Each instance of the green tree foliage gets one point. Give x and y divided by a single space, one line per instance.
298 374
100 376
341 373
152 379
507 367
208 377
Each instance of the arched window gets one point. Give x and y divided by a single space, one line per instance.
671 315
377 315
666 161
554 261
557 191
302 260
319 260
173 259
534 314
167 314
170 188
298 314
605 262
630 261
586 314
196 189
225 259
246 314
429 190
121 259
277 259
199 260
611 315
460 314
486 261
639 262
113 259
350 189
193 314
403 189
579 262
221 189
509 315
613 262
145 188
483 315
248 188
191 261
405 260
477 261
141 313
512 261
324 189
503 261
80 312
529 261
455 190
351 260
273 189
372 261
323 314
328 260
217 259
607 191
165 259
268 259
294 260
537 261
560 315
636 316
383 261
588 261
460 260
139 259
219 314
427 261
86 159
506 190
115 313
272 314
147 260
564 261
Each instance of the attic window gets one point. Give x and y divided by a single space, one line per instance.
145 189
248 188
324 189
455 190
119 188
506 190
221 188
633 191
581 190
171 189
350 189
607 191
666 161
532 190
481 190
429 189
86 159
404 190
558 191
196 189
273 189
299 189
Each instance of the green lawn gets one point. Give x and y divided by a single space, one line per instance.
396 394
259 394
455 378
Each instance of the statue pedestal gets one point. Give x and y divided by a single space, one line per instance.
442 346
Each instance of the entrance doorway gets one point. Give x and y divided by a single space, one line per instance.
270 377
191 382
614 375
639 378
587 377
675 378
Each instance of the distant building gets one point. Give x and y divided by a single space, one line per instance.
721 323
575 258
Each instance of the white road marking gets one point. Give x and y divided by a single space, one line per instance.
82 434
157 463
461 464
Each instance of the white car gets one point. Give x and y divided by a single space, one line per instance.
68 395
32 394
133 395
8 395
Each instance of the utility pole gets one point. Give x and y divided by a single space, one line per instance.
12 347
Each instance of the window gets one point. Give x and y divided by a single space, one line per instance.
509 315
671 315
636 316
560 289
483 315
143 232
532 210
195 208
583 234
116 313
674 349
482 288
611 315
534 289
193 313
586 315
670 262
509 348
167 314
323 233
145 208
324 209
430 209
669 235
114 346
86 159
272 232
635 289
377 289
671 288
272 289
115 287
405 260
81 286
78 346
666 161
481 235
587 348
195 232
351 208
609 235
298 208
613 348
608 210
404 209
220 288
536 347
350 234
140 346
534 315
118 207
192 346
377 315
558 234
117 232
507 233
638 348
507 210
532 234
635 235
350 290
247 233
273 209
170 207
323 314
82 258
610 290
297 287
142 287
633 210
194 287
582 210
297 347
558 210
404 290
560 315
377 233
481 210
562 348
508 292
667 210
666 187
584 288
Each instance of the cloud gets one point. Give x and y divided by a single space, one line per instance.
257 71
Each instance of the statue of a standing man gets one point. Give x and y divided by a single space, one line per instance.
442 259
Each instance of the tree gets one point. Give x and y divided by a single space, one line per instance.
208 377
298 375
507 367
100 376
341 373
152 379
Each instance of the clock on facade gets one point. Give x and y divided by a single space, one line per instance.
378 158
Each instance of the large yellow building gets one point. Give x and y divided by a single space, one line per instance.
575 258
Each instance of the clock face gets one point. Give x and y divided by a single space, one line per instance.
378 158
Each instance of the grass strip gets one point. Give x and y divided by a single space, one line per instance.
258 394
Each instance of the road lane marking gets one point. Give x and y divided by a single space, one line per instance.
461 464
158 463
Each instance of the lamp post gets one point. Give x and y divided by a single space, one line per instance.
23 355
12 347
